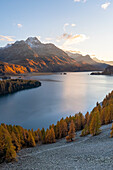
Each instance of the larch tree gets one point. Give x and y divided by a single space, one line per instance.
43 135
71 133
15 142
7 150
31 141
10 150
50 136
107 115
95 124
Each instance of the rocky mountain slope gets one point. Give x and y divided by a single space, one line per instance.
33 56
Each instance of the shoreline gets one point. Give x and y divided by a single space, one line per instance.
44 73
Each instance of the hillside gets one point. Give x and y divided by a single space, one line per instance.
6 68
33 56
84 153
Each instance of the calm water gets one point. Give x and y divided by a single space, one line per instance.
59 96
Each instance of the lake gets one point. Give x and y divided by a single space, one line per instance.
59 96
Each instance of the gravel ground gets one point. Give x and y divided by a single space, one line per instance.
85 153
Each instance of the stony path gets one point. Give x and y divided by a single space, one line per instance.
86 153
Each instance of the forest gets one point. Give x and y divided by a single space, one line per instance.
14 85
13 138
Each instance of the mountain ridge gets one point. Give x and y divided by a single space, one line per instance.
39 57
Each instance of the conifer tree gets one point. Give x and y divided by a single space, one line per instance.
71 133
43 135
10 150
31 141
62 129
15 142
87 118
85 131
57 130
50 136
39 135
95 124
107 115
7 150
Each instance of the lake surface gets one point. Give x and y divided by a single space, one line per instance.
59 96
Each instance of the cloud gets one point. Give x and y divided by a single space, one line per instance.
77 37
6 38
70 40
65 25
19 25
73 25
80 1
105 5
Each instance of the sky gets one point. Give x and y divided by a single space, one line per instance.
83 26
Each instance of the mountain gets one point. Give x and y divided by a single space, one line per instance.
36 56
33 56
102 61
87 60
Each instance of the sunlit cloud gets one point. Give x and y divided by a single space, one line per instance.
19 25
65 25
70 40
105 5
73 25
77 37
6 38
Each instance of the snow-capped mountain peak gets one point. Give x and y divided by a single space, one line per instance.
33 42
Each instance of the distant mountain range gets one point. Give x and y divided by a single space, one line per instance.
87 60
102 61
33 56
